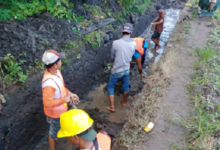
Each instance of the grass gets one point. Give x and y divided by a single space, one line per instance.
205 54
203 123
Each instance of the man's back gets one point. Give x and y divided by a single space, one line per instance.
122 52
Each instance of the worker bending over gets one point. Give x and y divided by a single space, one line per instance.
140 52
76 126
55 94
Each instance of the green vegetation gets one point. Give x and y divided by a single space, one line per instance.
204 123
217 15
79 56
73 49
94 37
11 70
108 67
20 9
96 11
73 45
205 54
129 6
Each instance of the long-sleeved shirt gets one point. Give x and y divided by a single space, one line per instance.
122 51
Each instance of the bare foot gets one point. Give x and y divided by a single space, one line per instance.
153 49
158 48
110 108
123 102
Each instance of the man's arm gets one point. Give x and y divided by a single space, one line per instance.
155 23
48 97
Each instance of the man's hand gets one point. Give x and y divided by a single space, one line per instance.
141 77
152 23
67 98
74 98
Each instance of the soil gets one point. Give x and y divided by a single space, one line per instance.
177 103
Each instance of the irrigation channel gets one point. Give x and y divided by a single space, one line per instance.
113 122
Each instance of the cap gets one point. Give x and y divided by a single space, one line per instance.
127 28
88 135
50 56
158 7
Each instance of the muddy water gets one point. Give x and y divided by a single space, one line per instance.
101 101
113 122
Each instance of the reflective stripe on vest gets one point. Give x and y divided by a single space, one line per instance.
104 141
139 45
55 81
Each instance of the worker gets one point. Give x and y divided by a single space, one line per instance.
76 126
159 22
122 51
211 5
140 53
55 94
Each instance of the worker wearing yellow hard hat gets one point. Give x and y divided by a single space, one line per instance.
76 126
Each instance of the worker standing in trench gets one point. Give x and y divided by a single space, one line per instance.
159 22
140 53
122 51
76 126
55 94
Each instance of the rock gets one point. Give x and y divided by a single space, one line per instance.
100 24
133 18
77 65
98 125
45 15
111 36
6 29
209 24
106 38
37 15
169 45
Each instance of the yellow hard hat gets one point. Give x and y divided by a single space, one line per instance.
74 122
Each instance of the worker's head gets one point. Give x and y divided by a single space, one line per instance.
52 58
127 29
76 124
159 8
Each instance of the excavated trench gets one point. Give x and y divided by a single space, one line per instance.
113 122
23 124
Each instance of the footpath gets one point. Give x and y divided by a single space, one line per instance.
175 95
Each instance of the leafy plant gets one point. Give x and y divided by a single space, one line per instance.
205 53
46 43
20 9
79 56
11 69
79 19
96 11
129 6
90 21
94 37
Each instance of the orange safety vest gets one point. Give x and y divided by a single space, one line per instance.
104 141
57 82
139 45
